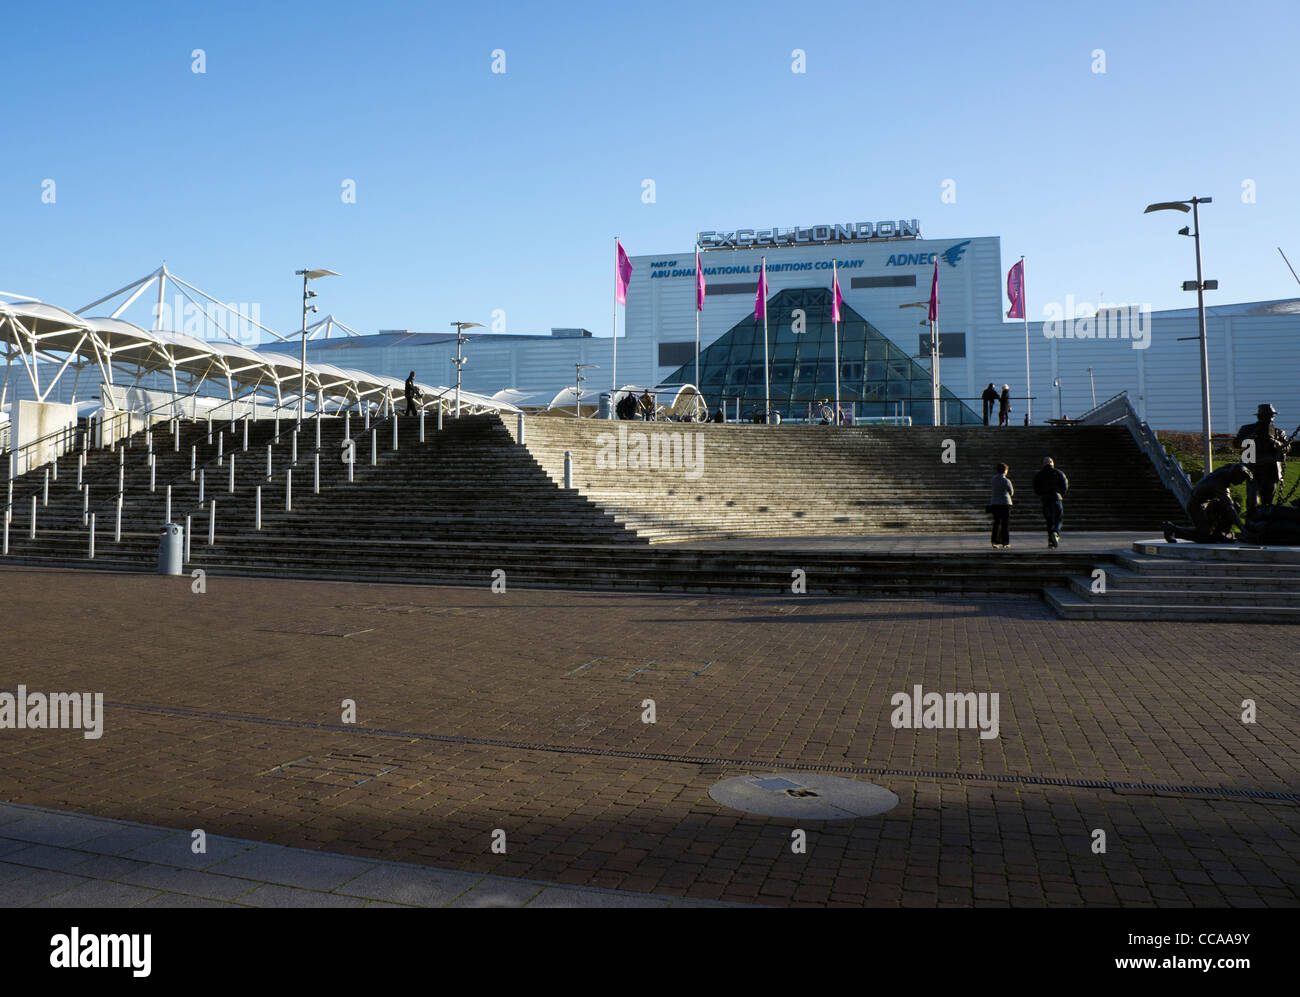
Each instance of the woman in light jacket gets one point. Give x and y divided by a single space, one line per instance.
1000 507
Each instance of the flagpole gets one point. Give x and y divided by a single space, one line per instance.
698 304
614 373
767 380
835 286
1024 307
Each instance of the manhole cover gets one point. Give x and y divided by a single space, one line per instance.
806 795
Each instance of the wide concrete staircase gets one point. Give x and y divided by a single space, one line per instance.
819 481
1184 581
465 504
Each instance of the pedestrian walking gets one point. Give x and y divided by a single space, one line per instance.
990 398
412 393
1004 406
999 507
1051 486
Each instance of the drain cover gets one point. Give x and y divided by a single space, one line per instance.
806 795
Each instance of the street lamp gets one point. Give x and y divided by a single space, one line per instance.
934 359
461 340
1092 384
1060 405
1200 286
307 295
578 378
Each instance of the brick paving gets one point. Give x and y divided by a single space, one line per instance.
523 712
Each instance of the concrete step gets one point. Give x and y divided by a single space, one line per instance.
1070 605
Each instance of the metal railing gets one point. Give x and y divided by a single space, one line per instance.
1118 410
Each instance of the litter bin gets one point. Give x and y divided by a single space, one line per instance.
171 547
604 412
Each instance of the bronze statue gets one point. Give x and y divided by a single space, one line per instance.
1212 509
1271 446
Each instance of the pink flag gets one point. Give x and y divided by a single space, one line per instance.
622 274
934 294
1016 290
760 299
838 298
699 285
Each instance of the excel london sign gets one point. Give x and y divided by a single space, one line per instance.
814 235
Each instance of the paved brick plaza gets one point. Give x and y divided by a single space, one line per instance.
223 713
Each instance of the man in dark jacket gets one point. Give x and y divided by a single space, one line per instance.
990 398
1211 508
1268 448
1051 486
412 393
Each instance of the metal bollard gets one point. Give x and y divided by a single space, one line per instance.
212 524
148 442
519 431
440 417
288 490
347 425
209 429
45 489
394 432
367 415
188 530
167 516
268 462
31 530
81 466
374 446
293 456
117 528
318 429
421 425
221 449
257 510
85 504
194 453
568 469
153 472
231 487
121 479
315 477
5 549
245 434
55 466
92 536
352 461
200 488
176 436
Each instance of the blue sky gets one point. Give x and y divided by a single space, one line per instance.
478 191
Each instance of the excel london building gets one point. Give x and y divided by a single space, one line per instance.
1074 354
1078 350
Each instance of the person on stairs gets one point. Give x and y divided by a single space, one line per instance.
1004 406
1000 507
1051 486
412 393
990 398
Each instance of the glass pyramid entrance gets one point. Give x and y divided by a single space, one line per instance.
877 378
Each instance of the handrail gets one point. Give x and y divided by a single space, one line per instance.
1118 409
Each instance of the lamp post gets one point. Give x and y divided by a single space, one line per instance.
578 378
307 295
1200 286
934 360
461 340
1060 405
1092 384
